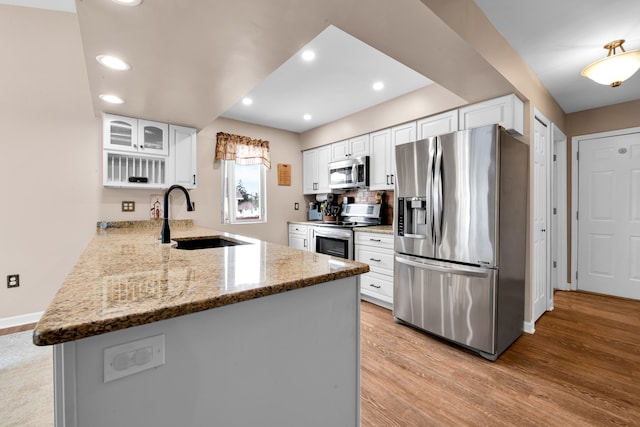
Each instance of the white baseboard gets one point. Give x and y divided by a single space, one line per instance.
23 319
529 327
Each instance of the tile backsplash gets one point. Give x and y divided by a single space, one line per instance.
366 196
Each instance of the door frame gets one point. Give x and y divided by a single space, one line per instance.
575 145
559 223
537 115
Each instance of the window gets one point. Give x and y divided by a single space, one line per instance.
244 193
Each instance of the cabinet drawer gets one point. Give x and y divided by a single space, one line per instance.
298 229
377 285
380 261
382 241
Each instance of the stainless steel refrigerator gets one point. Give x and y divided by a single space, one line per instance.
460 237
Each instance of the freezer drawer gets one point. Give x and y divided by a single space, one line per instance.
453 301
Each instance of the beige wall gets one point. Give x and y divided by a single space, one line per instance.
49 149
420 103
285 148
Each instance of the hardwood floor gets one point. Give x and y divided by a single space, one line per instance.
14 329
580 368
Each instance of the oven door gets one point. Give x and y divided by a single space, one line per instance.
334 241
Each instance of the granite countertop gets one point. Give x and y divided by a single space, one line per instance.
126 277
382 229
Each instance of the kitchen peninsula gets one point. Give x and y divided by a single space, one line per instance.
254 334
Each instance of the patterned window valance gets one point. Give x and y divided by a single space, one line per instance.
242 149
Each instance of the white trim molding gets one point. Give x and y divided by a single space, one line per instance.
529 327
24 319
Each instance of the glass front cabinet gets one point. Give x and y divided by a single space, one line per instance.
145 154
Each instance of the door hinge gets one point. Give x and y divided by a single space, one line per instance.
555 264
576 275
576 215
554 157
555 212
577 155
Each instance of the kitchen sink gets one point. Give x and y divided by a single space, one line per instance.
191 243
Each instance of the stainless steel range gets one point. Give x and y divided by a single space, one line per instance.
336 237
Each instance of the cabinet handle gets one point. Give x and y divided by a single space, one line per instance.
194 179
375 240
373 259
305 243
388 180
392 180
374 286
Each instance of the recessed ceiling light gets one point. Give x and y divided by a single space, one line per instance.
378 86
307 117
308 55
113 62
128 2
112 99
247 101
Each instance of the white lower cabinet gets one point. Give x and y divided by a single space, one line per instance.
299 237
376 250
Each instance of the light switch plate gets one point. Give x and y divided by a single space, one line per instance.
130 358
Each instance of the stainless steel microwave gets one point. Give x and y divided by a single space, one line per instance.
349 173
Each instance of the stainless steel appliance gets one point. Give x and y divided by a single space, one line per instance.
336 237
349 173
460 237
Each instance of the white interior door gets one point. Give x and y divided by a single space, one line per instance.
540 248
609 215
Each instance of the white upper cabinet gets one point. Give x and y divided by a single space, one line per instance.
184 146
507 111
439 124
120 133
153 137
404 133
349 148
135 135
144 154
315 170
381 161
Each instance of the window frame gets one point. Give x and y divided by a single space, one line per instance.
229 201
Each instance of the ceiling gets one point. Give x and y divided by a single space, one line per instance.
557 39
230 50
336 83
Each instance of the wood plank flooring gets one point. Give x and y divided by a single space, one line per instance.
580 368
14 329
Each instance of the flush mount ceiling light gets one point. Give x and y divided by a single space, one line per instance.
247 101
307 117
615 68
113 62
378 86
308 55
112 99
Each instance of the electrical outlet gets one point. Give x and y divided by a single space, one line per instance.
128 206
296 206
13 280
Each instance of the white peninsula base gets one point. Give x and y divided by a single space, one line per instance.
289 359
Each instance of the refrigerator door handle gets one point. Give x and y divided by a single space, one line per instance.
459 269
437 191
415 236
430 201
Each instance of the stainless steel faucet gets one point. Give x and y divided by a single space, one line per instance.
166 232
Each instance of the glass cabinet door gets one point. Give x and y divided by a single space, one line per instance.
153 137
120 133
